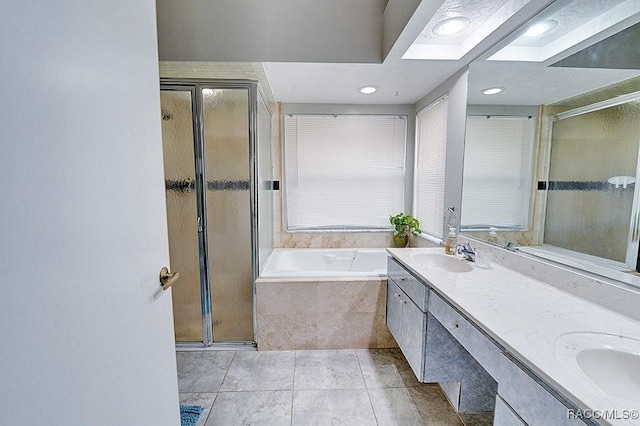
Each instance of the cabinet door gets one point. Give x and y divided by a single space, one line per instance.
413 336
529 399
394 311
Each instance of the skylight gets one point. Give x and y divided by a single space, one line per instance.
455 29
570 28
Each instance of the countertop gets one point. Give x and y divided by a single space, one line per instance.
526 317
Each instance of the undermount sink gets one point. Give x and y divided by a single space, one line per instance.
441 262
610 362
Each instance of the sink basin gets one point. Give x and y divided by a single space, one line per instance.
441 262
610 362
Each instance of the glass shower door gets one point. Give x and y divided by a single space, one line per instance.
587 210
182 211
227 164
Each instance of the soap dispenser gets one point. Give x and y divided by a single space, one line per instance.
493 236
450 246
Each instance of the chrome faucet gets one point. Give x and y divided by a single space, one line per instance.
511 246
466 251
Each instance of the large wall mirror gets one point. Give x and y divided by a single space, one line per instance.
551 149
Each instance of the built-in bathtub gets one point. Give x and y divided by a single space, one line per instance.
323 299
323 263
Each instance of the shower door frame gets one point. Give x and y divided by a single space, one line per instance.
195 87
632 261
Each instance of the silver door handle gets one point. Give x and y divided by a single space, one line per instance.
167 278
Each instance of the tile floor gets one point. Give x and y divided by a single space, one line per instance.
316 387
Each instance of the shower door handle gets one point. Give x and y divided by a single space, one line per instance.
167 279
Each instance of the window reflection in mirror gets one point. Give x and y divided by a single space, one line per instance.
565 191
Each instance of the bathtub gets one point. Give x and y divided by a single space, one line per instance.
323 299
326 263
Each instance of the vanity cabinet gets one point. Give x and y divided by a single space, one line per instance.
521 399
527 398
504 415
407 323
476 373
484 350
410 285
433 354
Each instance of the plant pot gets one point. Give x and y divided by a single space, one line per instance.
400 240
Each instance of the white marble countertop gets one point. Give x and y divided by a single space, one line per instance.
526 317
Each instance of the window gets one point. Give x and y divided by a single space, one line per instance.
431 145
343 172
497 178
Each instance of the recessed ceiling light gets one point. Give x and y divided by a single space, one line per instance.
451 26
492 90
541 28
368 90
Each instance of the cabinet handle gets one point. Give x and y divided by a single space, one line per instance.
396 294
456 325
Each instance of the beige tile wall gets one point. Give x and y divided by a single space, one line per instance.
333 314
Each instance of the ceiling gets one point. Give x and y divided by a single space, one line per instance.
593 45
400 81
322 52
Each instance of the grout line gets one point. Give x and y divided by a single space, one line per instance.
227 371
215 396
373 410
293 389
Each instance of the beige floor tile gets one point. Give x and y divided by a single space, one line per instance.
327 369
394 406
267 370
332 407
251 408
202 371
433 407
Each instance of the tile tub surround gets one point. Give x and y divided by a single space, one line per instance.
328 314
349 387
525 317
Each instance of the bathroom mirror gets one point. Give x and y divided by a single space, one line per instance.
551 153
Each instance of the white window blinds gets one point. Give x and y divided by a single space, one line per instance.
343 171
497 172
431 147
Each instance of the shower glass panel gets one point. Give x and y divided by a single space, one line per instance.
227 165
182 212
586 211
265 184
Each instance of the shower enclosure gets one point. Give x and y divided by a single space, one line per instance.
210 138
592 204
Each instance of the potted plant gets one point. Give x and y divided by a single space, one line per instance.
403 225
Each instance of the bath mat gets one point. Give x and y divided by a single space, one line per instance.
189 414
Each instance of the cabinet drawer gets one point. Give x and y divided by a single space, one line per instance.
533 403
408 283
473 340
504 416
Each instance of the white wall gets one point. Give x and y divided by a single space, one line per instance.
86 337
396 15
271 30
